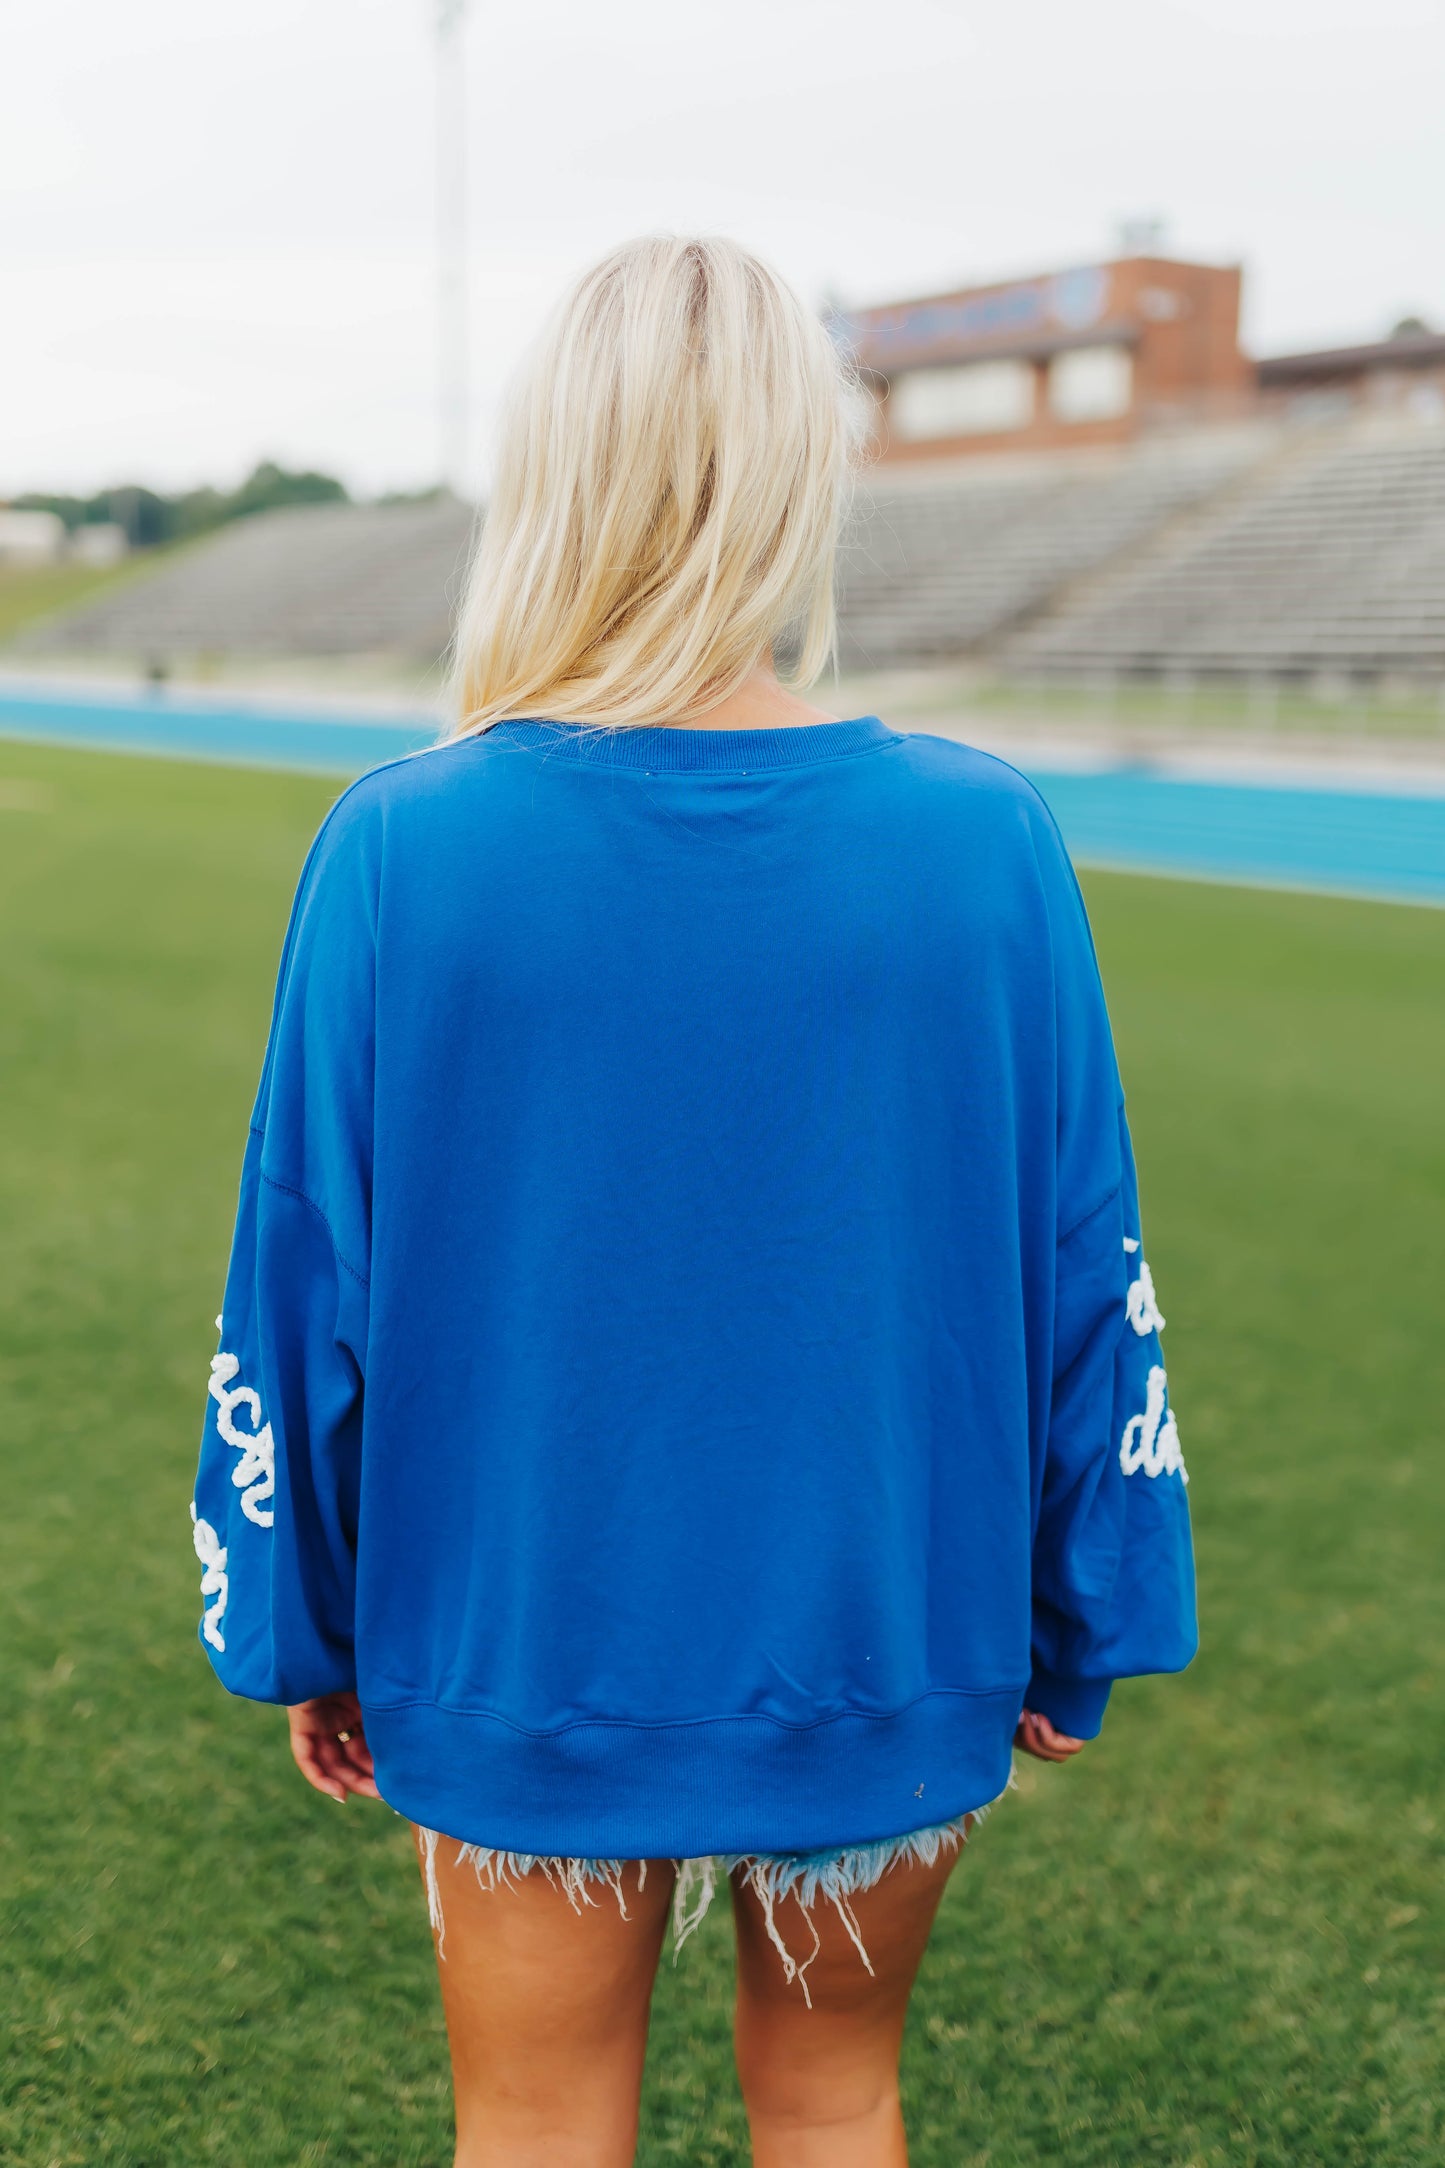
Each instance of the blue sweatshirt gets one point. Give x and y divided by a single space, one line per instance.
688 1360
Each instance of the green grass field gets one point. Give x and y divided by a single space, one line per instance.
1219 1938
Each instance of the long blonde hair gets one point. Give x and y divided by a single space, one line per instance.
669 489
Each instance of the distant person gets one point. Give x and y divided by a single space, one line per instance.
689 1397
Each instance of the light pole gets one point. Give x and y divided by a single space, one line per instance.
451 184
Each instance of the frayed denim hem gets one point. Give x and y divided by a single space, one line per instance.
497 1870
836 1876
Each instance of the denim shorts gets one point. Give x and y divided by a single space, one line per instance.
835 1876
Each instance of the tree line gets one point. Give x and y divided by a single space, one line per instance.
149 517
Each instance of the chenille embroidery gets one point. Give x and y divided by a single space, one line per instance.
255 1473
1141 1305
214 1579
1151 1440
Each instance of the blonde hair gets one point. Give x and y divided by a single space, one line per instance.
668 496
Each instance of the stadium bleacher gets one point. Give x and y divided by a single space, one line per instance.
309 580
1255 550
940 560
1333 562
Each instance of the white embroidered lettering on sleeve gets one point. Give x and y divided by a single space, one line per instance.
214 1579
1141 1304
1151 1440
255 1473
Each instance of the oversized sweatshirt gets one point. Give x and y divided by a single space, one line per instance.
688 1360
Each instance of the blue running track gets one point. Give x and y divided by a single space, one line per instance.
1389 846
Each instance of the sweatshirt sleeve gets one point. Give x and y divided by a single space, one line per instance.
277 1490
1113 1570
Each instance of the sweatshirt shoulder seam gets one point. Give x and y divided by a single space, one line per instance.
288 1189
1095 1209
1093 1212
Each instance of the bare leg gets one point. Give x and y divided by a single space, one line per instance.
547 2012
821 2084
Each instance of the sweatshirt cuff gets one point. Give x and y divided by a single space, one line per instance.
1073 1706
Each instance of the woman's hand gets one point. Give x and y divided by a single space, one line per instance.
329 1743
1036 1735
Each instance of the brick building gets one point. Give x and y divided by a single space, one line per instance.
1090 355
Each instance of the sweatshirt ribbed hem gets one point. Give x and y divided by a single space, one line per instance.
682 1791
658 748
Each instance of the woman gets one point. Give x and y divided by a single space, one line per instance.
689 1396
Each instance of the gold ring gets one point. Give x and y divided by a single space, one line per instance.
343 1737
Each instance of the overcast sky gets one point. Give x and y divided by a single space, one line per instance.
216 216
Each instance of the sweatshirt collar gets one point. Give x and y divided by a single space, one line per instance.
659 747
